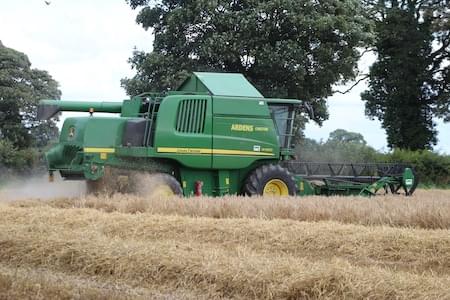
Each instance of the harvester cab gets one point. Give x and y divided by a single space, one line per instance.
215 135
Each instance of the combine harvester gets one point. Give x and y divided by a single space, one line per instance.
215 135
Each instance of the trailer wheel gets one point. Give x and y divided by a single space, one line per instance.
270 180
158 185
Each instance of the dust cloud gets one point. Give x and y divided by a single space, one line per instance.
39 187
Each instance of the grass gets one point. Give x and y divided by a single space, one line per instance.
426 209
17 282
128 247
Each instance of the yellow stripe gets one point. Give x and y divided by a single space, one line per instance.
184 150
239 152
211 151
99 150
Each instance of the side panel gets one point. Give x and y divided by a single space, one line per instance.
103 132
83 141
243 132
184 130
73 130
214 182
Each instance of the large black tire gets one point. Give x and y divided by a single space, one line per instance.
270 180
158 185
134 182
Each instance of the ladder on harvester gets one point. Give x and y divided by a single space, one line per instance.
153 101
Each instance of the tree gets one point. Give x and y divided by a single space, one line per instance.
341 147
344 136
287 48
21 87
409 84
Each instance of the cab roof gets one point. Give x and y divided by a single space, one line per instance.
220 84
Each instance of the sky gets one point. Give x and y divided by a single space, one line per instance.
85 45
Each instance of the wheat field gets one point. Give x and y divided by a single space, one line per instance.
127 247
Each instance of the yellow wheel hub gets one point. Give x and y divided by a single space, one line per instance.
276 187
162 190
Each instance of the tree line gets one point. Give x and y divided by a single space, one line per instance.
303 48
298 49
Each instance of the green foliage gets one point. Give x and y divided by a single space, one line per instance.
21 87
17 162
21 134
410 81
287 48
344 136
432 168
342 146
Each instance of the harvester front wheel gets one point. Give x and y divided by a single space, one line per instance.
158 185
270 180
135 182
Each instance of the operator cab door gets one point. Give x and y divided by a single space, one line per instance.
283 119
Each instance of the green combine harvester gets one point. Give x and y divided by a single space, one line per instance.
215 135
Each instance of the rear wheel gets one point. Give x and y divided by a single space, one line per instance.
270 180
